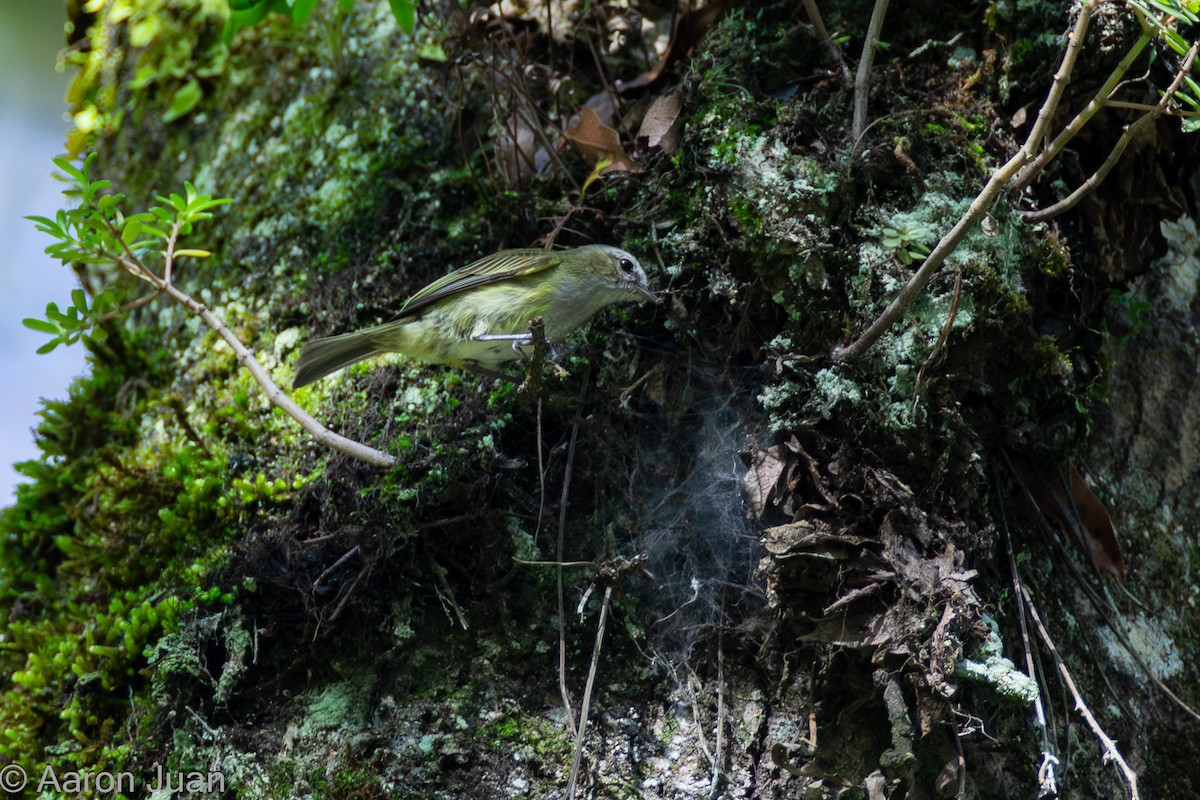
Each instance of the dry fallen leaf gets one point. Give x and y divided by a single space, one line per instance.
1064 498
689 30
662 126
597 141
762 479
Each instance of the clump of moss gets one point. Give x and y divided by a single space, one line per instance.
168 51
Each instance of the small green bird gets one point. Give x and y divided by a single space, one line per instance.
480 314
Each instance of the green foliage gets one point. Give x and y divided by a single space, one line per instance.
97 232
247 13
127 516
908 243
173 49
1163 17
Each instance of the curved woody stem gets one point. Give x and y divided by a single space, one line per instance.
275 395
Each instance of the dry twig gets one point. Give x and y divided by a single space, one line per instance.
585 706
163 285
1128 135
862 79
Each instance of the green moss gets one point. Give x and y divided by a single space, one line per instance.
172 50
526 735
346 784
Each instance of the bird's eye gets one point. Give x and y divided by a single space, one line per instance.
626 265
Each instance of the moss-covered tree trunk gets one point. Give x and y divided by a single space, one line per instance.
771 573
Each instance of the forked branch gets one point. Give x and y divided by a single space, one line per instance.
979 206
163 285
1131 132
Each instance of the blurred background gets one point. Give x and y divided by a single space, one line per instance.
32 131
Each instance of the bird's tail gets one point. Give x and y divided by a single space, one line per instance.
320 357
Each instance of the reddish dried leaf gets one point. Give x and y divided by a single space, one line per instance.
1064 497
596 141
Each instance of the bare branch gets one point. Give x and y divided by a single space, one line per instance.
1128 135
585 706
1061 78
245 357
814 16
562 613
933 261
1170 112
979 206
862 79
275 395
130 306
1099 101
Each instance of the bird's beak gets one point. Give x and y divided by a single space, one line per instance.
649 295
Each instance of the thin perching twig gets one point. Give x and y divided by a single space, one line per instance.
562 611
1047 781
1099 101
1128 135
814 16
862 79
719 746
245 357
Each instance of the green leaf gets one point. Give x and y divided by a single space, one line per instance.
64 163
203 203
79 299
1191 125
302 10
40 325
186 98
405 12
48 226
252 15
131 231
346 5
48 346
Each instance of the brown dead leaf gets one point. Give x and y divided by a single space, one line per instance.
761 482
662 127
689 30
597 142
1064 498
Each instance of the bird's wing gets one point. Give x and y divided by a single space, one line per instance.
487 270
